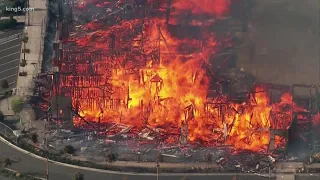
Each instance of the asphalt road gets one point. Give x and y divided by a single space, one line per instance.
10 47
28 164
5 178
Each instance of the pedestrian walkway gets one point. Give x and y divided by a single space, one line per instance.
34 27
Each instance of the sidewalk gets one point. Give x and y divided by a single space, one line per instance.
35 30
151 166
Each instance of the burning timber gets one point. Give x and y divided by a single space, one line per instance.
147 77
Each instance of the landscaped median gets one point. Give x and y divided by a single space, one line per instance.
123 166
16 175
6 172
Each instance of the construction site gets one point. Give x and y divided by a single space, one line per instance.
145 79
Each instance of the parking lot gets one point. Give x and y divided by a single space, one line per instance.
10 48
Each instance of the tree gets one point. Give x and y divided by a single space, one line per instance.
17 105
69 149
23 62
4 84
34 137
159 157
6 162
78 176
111 157
25 38
1 116
208 158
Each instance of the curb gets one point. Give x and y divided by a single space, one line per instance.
56 162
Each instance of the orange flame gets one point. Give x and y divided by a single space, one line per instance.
173 91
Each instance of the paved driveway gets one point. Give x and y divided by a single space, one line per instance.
10 47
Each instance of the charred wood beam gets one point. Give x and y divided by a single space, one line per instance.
274 86
305 86
163 38
86 87
71 74
84 120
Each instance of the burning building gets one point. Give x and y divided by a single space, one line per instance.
165 71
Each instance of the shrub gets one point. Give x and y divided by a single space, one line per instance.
160 157
208 158
6 162
4 84
78 176
111 157
17 105
34 137
25 38
69 149
1 116
23 63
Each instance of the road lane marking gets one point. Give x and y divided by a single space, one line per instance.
9 76
10 37
10 48
12 82
15 60
8 69
10 55
9 41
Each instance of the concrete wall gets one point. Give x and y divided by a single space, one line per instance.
283 43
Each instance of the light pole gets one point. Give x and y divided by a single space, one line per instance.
158 166
47 167
47 152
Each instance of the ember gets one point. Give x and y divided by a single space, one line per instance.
152 78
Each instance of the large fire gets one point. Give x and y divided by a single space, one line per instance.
168 93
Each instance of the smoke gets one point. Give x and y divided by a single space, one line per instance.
49 36
285 34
